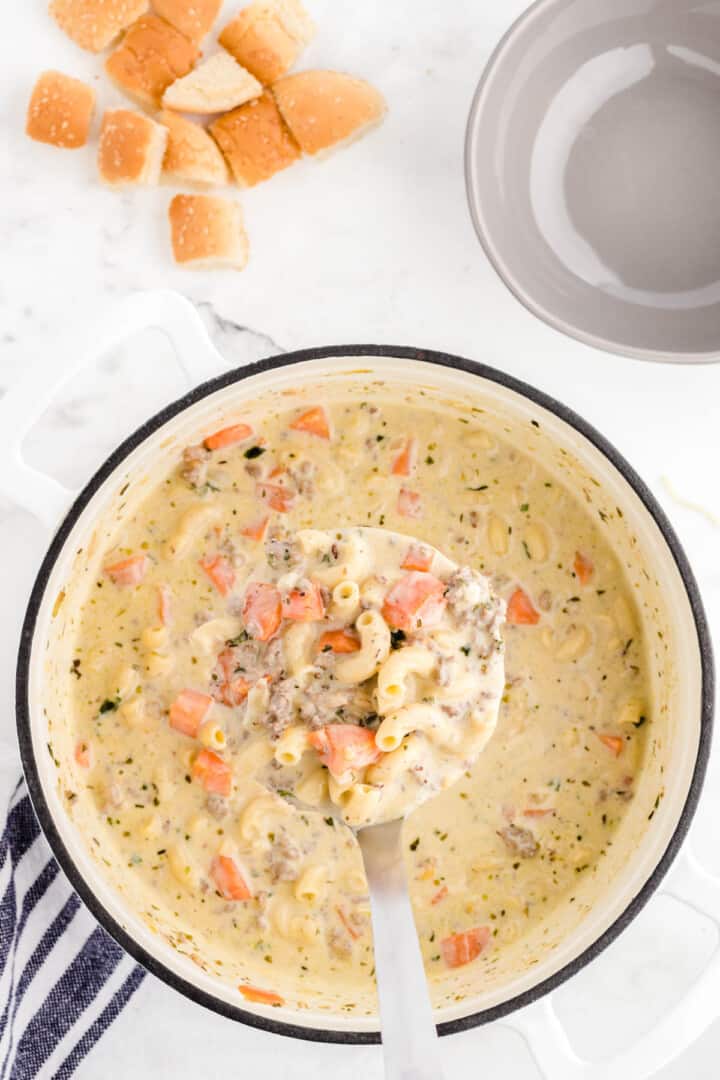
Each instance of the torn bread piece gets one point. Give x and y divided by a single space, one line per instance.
217 85
193 18
131 148
325 109
151 56
60 111
268 36
94 24
208 232
191 154
255 141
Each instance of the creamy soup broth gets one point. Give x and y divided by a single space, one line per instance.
495 854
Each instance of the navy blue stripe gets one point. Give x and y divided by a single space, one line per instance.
48 941
72 994
22 828
78 986
37 890
111 1011
35 893
8 918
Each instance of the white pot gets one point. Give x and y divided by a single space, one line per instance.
667 599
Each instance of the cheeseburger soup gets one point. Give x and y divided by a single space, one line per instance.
262 653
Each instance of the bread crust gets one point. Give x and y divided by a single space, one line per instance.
325 109
151 56
95 24
195 19
255 141
131 148
60 111
208 232
268 36
191 154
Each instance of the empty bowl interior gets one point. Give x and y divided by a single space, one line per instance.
593 147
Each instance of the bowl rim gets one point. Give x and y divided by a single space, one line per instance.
569 329
110 465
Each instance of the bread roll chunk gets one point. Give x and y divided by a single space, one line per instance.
191 154
60 111
151 56
94 24
255 141
193 18
131 149
268 36
208 233
327 109
217 85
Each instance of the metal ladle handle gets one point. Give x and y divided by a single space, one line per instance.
410 1042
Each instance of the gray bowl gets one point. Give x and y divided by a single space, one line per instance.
592 162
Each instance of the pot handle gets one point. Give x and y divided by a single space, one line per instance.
680 1028
27 399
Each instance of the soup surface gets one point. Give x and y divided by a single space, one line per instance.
180 722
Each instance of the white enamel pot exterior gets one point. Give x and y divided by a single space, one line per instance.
667 600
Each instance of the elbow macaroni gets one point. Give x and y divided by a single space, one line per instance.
394 675
291 745
345 601
374 649
311 887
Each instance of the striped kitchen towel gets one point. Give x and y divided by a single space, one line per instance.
63 980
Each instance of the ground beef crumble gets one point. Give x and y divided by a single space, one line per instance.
519 841
194 467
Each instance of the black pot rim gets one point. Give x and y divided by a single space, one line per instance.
445 360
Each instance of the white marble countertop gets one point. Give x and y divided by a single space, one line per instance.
373 245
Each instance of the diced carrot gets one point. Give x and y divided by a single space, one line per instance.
314 421
520 611
226 660
83 755
220 571
278 470
188 711
418 557
304 604
439 895
233 688
128 571
235 691
613 742
339 641
538 812
345 746
275 495
228 436
164 604
416 600
262 997
214 774
354 934
406 460
583 567
459 949
262 610
409 503
230 883
256 529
